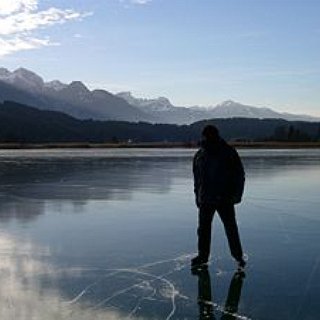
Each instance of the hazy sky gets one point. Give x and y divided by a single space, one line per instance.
258 52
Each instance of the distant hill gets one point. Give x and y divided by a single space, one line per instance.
21 123
75 99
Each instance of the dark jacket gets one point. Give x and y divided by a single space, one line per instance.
218 174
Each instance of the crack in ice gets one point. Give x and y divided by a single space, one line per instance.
173 291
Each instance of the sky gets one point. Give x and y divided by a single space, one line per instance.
195 52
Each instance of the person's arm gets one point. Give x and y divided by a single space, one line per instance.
196 175
238 177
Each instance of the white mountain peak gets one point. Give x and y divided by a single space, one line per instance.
22 78
229 103
148 105
28 75
55 85
78 86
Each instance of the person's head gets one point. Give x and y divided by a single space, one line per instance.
210 133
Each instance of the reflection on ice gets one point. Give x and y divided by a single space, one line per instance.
208 308
85 179
25 294
24 209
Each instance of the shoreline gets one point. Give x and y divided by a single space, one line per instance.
152 145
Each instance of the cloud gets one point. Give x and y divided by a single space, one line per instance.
15 44
28 21
140 1
19 19
22 270
11 6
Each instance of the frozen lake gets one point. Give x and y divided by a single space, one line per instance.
108 234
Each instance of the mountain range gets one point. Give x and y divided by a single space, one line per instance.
75 99
168 113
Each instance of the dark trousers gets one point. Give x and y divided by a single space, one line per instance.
227 215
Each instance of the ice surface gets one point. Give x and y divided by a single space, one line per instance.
109 234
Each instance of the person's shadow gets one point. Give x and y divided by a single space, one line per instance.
205 302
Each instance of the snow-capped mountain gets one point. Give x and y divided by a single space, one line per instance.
226 109
25 79
229 108
148 105
162 110
26 87
55 85
22 79
232 109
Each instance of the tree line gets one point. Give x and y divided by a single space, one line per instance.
21 123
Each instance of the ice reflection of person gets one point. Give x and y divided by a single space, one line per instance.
204 293
205 301
218 186
233 298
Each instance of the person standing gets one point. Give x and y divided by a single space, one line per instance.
218 185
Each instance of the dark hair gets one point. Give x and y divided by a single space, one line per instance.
210 133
